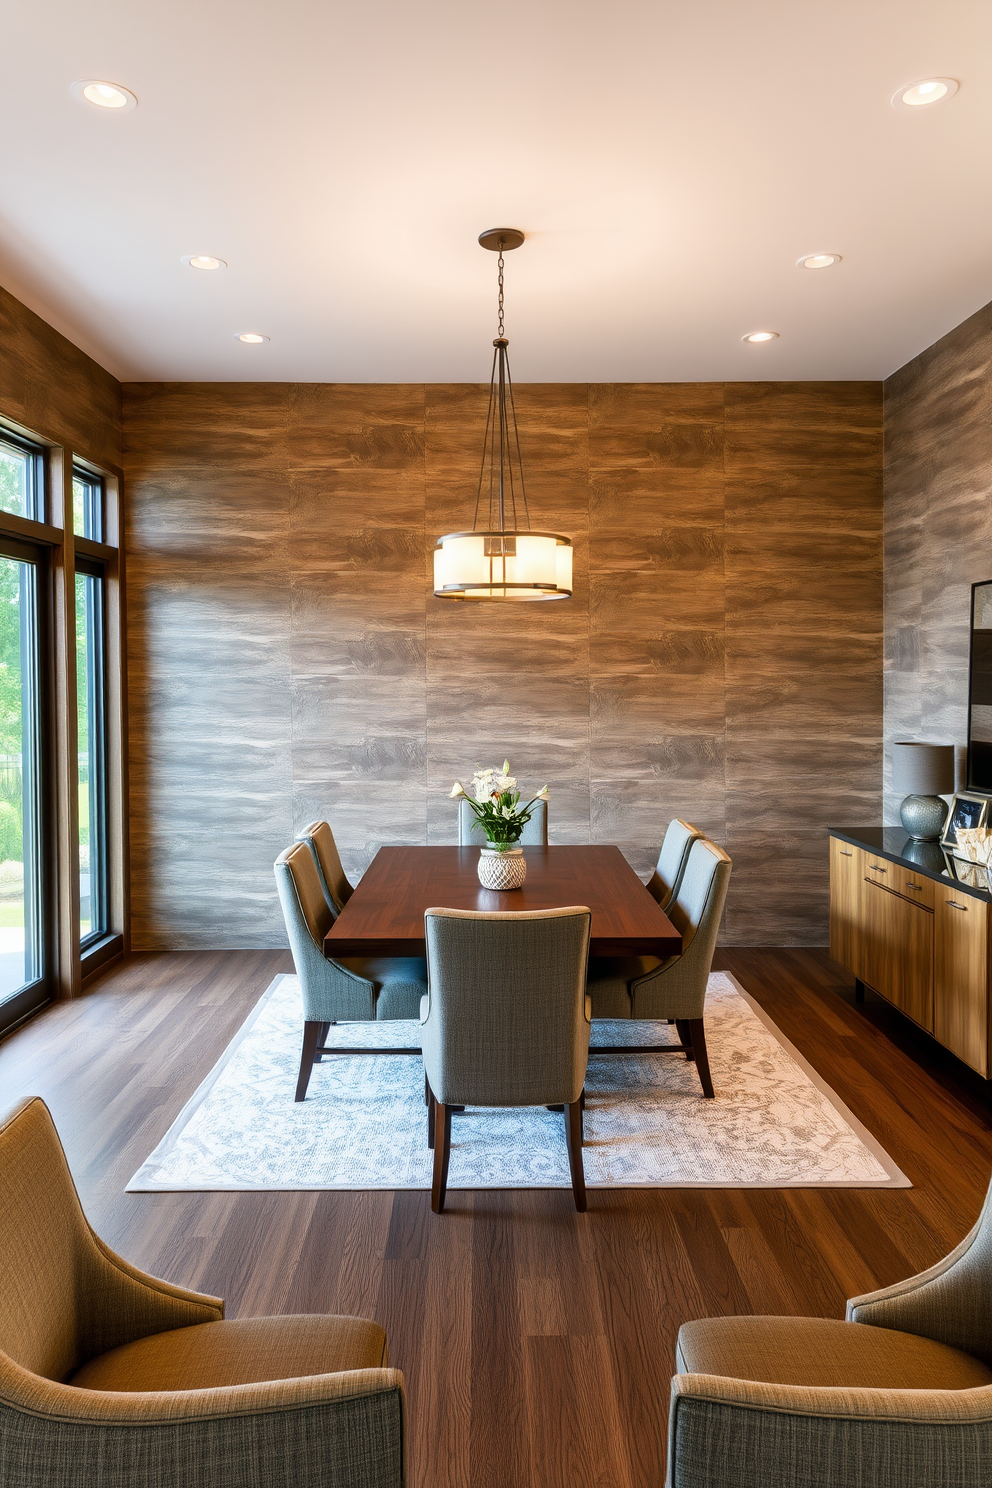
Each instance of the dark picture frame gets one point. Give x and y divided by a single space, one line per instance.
978 776
967 810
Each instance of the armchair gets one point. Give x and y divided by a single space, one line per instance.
897 1396
111 1377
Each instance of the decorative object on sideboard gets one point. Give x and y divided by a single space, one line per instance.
925 772
968 814
496 804
504 558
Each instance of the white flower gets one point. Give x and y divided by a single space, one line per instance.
542 794
457 790
506 767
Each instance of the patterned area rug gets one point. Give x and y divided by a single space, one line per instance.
773 1124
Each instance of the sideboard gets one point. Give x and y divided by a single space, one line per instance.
912 922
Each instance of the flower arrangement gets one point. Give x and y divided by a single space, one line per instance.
496 804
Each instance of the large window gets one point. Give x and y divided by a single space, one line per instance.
62 860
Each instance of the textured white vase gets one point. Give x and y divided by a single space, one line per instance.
502 870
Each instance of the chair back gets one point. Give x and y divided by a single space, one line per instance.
507 1021
677 988
534 834
320 840
44 1240
667 876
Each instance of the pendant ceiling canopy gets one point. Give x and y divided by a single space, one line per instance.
502 558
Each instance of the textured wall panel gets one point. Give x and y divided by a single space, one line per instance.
720 660
938 534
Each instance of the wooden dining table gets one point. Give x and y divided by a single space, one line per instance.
385 914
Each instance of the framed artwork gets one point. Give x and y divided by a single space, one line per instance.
967 811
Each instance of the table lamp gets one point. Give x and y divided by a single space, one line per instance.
925 772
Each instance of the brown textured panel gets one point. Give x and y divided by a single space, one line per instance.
54 389
938 533
727 599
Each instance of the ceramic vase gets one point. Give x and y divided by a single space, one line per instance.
502 869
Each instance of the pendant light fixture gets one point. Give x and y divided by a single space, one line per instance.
503 559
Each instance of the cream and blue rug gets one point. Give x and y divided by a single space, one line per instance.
773 1124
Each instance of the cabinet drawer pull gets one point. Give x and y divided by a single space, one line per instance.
876 869
913 886
847 855
951 905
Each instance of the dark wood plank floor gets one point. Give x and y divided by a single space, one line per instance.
537 1343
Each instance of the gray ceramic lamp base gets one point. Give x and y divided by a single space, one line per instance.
923 817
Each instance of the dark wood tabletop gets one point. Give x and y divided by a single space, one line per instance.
385 915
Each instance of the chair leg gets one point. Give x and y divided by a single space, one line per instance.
311 1039
573 1134
697 1038
684 1029
442 1151
321 1040
431 1104
427 1090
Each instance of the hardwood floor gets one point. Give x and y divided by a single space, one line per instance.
537 1343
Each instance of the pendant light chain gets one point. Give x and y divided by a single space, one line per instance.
499 264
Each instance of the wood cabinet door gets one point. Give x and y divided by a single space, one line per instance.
961 1003
899 952
846 911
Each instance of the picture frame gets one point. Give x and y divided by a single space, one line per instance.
967 810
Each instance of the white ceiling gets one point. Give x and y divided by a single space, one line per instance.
669 160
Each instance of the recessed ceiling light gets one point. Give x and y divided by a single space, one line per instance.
761 336
251 338
819 261
929 90
104 95
204 261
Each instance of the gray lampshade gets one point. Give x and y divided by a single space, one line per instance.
923 769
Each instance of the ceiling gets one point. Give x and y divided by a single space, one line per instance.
669 163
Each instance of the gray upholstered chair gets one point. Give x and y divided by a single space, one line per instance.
320 840
506 1021
673 989
667 876
360 989
534 834
111 1377
898 1396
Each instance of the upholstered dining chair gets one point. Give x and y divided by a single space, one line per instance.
534 834
674 989
360 989
320 840
110 1377
898 1396
506 1021
664 882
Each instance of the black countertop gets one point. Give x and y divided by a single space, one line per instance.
928 858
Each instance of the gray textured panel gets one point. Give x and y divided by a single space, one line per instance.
720 659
